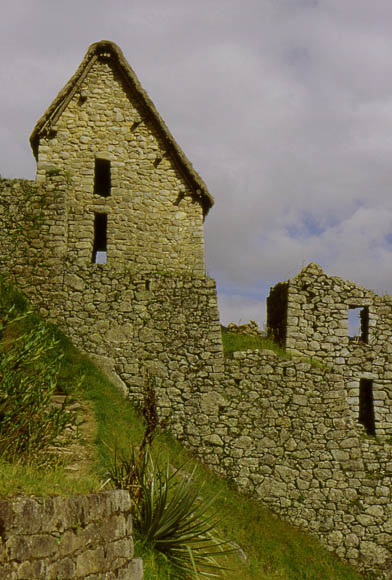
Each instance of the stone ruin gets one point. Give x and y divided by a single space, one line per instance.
108 243
309 315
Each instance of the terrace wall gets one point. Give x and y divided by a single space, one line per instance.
68 537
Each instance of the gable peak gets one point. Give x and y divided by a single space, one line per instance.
106 49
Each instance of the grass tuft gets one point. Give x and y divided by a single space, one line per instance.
233 341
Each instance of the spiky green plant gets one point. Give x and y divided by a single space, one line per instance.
170 516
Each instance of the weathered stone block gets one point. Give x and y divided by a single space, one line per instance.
61 570
31 570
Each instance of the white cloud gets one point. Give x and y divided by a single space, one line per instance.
283 106
245 309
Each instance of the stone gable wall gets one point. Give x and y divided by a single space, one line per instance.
154 216
60 537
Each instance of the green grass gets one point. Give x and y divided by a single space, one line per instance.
233 341
31 480
275 550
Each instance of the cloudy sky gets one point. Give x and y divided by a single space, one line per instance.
284 107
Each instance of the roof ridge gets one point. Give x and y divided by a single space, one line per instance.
62 99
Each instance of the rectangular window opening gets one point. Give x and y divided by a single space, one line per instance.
277 306
102 177
366 406
100 238
358 323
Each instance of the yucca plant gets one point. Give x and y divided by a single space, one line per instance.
128 472
177 521
170 516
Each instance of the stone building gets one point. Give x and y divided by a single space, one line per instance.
314 315
134 197
112 247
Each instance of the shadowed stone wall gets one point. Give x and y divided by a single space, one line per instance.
59 537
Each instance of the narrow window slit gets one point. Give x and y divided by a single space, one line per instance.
102 177
148 285
100 238
366 406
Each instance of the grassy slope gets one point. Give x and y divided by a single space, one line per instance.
275 550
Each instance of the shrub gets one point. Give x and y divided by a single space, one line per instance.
29 365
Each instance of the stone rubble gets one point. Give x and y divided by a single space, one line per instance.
250 328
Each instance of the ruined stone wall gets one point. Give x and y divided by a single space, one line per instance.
317 323
154 217
317 327
285 432
68 537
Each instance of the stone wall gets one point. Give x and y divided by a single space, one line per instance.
284 430
58 537
287 433
314 321
317 309
131 322
164 326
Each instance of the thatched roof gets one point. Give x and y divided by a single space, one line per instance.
50 117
